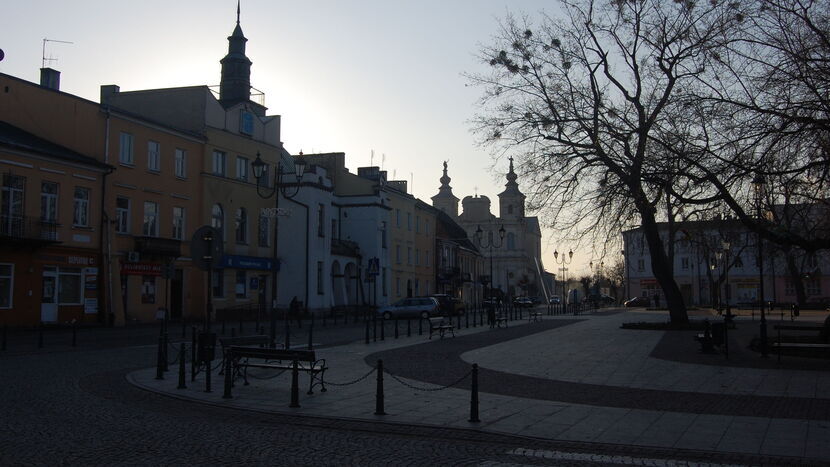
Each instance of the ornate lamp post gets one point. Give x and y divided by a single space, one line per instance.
288 190
758 186
491 244
724 255
565 261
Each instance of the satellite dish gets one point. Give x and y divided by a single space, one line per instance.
2 55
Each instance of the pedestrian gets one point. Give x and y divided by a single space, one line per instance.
294 308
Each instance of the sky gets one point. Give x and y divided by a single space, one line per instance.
346 76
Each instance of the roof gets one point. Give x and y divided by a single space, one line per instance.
17 138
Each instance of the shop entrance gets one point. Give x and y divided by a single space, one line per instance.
49 296
176 288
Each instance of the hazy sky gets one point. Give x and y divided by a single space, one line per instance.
351 76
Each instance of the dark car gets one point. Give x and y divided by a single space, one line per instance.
522 302
600 299
555 300
638 301
449 305
414 307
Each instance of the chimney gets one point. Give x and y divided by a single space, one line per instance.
50 78
107 91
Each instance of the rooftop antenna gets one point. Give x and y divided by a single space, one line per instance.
372 158
411 182
50 59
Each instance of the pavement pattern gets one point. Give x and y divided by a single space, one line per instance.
565 380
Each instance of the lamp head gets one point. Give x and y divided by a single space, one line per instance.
501 232
258 166
299 166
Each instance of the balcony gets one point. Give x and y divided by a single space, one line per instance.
28 230
158 246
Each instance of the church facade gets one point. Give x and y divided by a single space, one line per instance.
511 241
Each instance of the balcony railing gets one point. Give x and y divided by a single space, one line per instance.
23 228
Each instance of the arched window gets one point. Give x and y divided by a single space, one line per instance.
511 241
241 225
217 218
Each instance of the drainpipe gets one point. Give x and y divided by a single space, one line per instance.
104 314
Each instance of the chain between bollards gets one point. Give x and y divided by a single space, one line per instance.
474 395
182 369
379 392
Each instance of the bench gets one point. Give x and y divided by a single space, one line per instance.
242 358
440 326
242 341
813 346
534 316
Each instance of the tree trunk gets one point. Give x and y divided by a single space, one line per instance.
662 269
798 284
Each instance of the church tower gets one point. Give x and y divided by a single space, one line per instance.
445 200
235 86
511 200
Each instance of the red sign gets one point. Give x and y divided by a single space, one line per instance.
141 269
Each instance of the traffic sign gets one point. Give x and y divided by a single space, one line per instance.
374 267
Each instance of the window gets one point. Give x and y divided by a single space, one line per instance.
398 254
418 287
641 264
426 290
417 257
241 225
320 277
49 202
122 215
426 227
217 218
242 168
241 285
80 216
264 230
684 262
426 257
812 286
397 286
69 286
178 223
148 289
409 255
153 156
417 224
321 213
219 159
11 210
150 226
125 151
181 163
218 284
6 285
511 241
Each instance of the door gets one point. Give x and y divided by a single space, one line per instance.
49 296
176 287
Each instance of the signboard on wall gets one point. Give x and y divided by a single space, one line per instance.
141 269
90 306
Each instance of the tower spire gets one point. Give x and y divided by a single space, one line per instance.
235 85
237 12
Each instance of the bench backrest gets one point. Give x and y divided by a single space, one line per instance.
272 354
244 340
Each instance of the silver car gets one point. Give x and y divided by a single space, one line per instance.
414 307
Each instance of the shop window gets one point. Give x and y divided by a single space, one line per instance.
241 285
69 286
6 285
148 289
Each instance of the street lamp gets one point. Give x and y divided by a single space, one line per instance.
565 261
758 186
288 190
491 244
724 254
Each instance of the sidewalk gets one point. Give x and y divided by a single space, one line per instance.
566 378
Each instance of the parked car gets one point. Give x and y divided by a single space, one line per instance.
537 300
638 301
449 305
491 301
555 300
522 302
600 299
414 307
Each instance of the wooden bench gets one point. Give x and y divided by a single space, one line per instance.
242 341
815 346
242 358
440 326
534 316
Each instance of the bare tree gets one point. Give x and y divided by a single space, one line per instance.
585 103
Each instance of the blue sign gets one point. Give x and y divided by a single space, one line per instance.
248 262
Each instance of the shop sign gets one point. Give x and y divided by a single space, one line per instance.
146 269
90 306
246 262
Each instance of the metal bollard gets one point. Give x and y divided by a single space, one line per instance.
182 369
295 390
379 392
160 359
228 380
474 395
